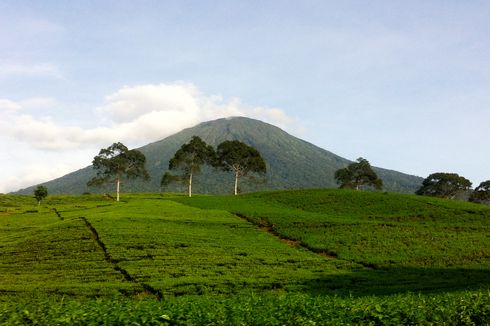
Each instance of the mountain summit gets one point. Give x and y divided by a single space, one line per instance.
291 162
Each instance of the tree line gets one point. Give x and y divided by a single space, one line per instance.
117 162
359 175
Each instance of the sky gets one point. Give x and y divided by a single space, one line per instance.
404 84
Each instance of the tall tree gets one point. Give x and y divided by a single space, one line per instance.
40 193
117 162
357 175
190 157
167 179
444 185
481 193
240 158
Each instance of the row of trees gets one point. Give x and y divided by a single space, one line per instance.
230 155
450 185
360 174
117 162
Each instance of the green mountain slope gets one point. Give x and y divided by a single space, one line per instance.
292 163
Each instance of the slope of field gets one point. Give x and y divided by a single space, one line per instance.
281 258
410 242
88 245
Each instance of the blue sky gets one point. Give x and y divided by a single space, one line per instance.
405 84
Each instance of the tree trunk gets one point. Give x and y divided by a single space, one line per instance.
190 184
236 182
118 184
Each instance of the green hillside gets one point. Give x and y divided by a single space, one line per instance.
297 257
291 162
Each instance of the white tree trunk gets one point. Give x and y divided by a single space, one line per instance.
236 182
118 184
190 185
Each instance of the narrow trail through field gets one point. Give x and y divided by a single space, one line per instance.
269 228
108 257
58 214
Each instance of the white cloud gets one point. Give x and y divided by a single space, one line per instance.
129 103
133 115
40 149
25 168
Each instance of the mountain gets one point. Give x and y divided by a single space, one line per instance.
292 163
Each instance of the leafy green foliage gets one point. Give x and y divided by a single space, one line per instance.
405 239
233 155
482 193
444 185
190 157
40 193
116 162
358 175
325 257
465 308
45 253
168 179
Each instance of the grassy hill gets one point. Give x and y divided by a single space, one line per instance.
292 163
285 257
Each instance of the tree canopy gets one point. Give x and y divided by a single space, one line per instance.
167 179
40 193
117 162
242 159
357 175
444 185
481 193
189 159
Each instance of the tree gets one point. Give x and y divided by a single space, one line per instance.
116 162
190 157
167 179
241 159
444 185
40 193
357 175
481 193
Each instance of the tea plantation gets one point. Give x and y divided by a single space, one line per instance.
310 257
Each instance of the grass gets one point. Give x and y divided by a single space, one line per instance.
286 257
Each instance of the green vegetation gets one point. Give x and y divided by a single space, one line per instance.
241 159
189 159
40 193
358 175
444 185
465 308
481 193
408 241
285 257
117 162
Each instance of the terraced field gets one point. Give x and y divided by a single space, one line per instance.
407 242
295 257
